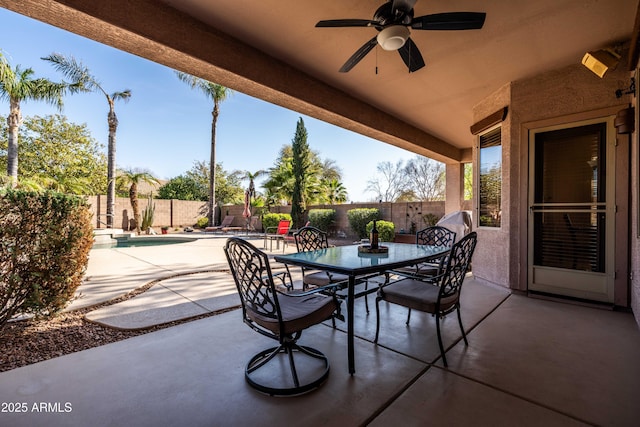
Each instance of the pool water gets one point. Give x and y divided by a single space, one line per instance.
134 242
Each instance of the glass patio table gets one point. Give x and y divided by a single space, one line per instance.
348 261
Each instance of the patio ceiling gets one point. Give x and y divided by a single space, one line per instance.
270 49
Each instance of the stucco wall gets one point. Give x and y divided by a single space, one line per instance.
635 217
491 257
569 93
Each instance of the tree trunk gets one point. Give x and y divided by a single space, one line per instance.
14 120
212 167
133 197
111 166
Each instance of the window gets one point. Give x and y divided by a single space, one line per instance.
468 181
490 182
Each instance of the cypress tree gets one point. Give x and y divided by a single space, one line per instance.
301 165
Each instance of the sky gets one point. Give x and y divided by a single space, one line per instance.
166 126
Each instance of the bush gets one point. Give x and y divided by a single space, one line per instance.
272 219
322 218
147 215
386 230
45 240
430 219
202 222
359 218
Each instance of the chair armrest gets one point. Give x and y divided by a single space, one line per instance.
313 291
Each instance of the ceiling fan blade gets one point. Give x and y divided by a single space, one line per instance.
403 5
332 23
360 53
450 21
411 56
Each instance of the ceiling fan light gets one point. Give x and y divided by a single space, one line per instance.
393 37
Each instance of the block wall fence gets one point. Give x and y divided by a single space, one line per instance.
183 213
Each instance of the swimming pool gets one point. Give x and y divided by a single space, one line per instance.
134 242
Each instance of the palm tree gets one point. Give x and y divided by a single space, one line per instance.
81 75
133 178
218 94
18 85
251 177
336 192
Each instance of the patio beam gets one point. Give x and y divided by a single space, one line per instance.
153 30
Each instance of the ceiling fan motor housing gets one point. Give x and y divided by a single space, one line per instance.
384 16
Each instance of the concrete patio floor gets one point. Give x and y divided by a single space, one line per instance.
529 362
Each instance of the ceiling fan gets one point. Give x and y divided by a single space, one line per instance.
393 20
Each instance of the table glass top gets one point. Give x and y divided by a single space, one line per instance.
347 258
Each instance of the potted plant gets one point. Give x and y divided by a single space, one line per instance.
165 229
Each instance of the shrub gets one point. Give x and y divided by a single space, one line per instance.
322 218
202 222
359 218
45 240
272 219
147 215
386 230
430 219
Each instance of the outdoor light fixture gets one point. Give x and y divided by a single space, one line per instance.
600 61
629 91
393 37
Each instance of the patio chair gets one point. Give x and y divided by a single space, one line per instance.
436 236
278 233
226 222
282 317
310 238
438 295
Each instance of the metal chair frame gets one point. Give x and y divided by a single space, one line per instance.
310 238
434 236
261 307
279 234
449 283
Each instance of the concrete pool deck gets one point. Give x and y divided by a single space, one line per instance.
189 279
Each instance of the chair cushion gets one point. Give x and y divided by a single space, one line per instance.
417 295
322 278
298 312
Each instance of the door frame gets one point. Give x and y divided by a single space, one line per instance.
622 217
572 282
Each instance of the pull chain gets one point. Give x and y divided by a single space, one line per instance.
376 60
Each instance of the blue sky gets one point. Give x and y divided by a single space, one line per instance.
166 126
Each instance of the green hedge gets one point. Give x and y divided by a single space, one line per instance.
322 218
272 219
386 230
45 239
359 218
202 222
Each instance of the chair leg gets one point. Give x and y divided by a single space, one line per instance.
292 364
464 335
265 357
366 296
408 315
375 340
281 389
444 358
